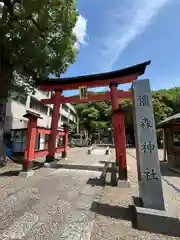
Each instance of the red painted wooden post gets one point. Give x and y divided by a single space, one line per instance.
121 144
118 138
54 126
119 133
115 105
65 142
30 139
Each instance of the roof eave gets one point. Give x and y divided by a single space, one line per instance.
136 69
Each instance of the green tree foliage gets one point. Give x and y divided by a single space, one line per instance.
36 40
37 36
94 114
161 107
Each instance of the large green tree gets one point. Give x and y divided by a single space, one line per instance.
36 39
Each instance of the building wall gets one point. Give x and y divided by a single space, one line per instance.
20 102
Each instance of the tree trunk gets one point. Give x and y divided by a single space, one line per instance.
3 159
5 79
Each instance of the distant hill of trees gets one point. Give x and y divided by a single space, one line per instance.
98 115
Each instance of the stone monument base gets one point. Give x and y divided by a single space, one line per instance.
156 221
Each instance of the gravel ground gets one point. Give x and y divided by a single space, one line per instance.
66 204
53 204
10 182
113 218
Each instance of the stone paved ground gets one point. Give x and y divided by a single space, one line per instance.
53 204
67 204
10 182
113 219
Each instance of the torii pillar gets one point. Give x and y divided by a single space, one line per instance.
54 126
119 132
115 105
121 139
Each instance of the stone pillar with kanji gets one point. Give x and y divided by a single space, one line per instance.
149 174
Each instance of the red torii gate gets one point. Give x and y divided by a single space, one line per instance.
111 79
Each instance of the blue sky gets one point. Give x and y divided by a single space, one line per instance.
113 34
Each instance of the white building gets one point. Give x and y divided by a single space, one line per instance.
20 102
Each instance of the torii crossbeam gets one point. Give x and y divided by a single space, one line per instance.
92 97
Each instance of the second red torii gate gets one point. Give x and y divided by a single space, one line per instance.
111 79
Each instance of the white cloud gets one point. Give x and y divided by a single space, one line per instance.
80 30
125 24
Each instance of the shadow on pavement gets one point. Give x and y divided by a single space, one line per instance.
172 185
128 214
96 182
12 173
102 181
165 171
137 201
107 210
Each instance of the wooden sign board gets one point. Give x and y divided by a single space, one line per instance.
83 92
